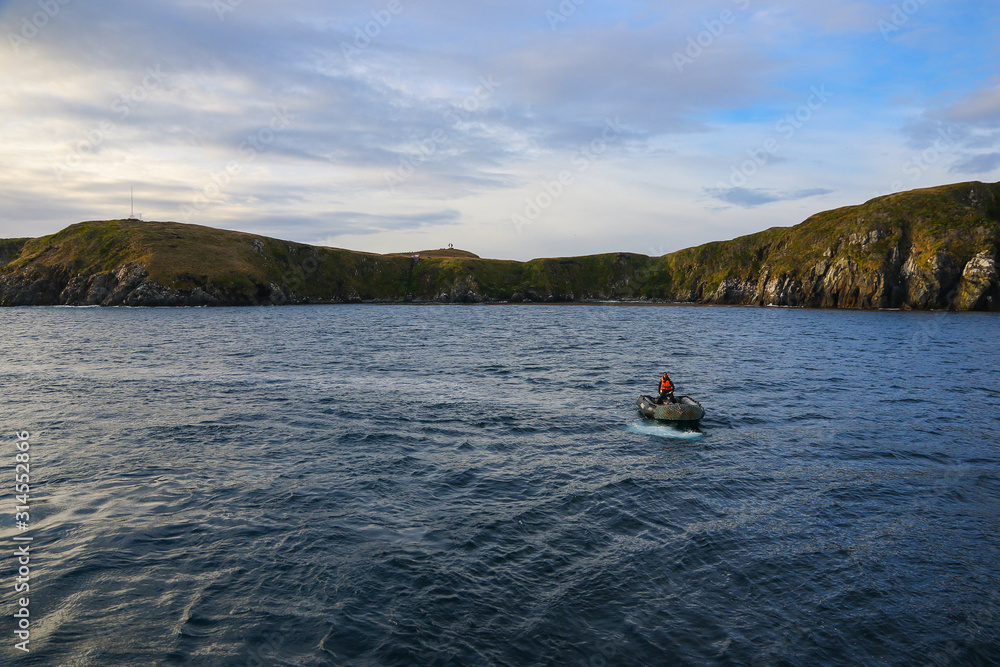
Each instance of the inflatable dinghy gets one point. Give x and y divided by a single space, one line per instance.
686 409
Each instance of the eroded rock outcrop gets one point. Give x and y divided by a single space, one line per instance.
978 286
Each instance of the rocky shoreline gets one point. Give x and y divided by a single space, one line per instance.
973 286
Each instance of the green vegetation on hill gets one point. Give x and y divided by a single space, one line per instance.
931 248
440 252
10 249
234 267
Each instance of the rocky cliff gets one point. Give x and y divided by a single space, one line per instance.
925 249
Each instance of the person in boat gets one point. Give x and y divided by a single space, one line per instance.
666 390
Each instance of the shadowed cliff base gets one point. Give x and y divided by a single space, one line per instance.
934 248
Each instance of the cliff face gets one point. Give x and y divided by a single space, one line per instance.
925 249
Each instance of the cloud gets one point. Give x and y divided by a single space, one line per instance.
356 222
980 107
963 128
975 112
749 198
977 164
455 106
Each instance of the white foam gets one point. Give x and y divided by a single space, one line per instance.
666 431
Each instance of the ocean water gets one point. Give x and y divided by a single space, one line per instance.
472 485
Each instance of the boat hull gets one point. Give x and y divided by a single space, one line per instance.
686 409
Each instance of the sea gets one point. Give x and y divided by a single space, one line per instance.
473 485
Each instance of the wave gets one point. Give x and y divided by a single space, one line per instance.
666 431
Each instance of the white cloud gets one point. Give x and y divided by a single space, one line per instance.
448 115
980 107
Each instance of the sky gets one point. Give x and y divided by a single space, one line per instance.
514 129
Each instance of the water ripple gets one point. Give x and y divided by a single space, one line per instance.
398 486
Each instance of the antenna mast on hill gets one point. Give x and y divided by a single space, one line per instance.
131 197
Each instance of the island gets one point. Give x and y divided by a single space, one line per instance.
928 249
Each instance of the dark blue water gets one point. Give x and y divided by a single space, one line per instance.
367 485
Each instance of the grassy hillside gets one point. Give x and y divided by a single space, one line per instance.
10 249
927 248
183 257
440 252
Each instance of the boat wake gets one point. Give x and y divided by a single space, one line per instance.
666 431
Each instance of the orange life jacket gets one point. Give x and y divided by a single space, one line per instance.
665 383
